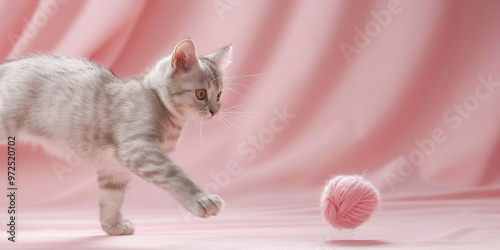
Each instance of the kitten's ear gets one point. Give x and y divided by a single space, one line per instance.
222 57
184 57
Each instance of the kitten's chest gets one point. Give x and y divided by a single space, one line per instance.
170 137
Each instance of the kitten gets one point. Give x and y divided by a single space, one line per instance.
78 109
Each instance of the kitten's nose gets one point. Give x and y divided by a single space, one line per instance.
213 112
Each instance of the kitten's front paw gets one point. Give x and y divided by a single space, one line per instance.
125 227
207 205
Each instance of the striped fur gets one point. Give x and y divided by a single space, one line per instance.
79 109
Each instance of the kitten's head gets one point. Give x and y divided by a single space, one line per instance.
195 81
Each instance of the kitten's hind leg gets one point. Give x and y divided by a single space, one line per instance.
113 181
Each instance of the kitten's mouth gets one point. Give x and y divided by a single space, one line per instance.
205 115
208 114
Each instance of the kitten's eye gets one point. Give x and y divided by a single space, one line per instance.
201 94
218 96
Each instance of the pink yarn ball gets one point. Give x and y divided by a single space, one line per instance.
348 201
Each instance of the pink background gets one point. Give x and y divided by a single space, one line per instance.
360 113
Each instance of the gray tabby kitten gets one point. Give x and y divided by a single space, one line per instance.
78 109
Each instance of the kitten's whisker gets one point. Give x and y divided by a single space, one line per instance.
235 106
234 65
235 77
234 128
228 127
240 117
241 112
192 116
232 142
242 85
237 92
239 129
200 115
201 134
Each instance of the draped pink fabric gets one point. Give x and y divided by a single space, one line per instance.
406 93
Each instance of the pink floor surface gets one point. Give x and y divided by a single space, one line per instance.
281 221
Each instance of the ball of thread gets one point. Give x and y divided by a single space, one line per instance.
348 201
